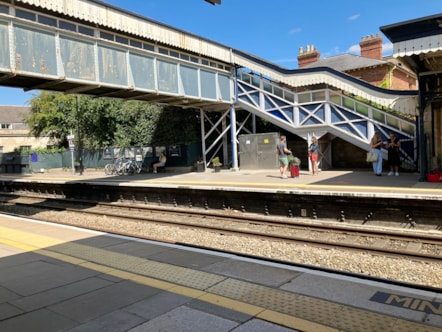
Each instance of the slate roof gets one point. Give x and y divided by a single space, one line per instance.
13 114
346 62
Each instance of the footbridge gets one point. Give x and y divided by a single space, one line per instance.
89 47
326 110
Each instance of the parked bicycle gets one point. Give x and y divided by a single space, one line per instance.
122 167
111 168
132 167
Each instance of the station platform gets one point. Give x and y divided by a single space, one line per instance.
361 182
59 278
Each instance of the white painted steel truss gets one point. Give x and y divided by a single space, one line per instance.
321 111
216 136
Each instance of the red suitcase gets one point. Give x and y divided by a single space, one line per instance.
294 171
433 177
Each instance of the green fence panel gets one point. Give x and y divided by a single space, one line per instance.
13 162
45 160
178 155
66 159
183 154
94 159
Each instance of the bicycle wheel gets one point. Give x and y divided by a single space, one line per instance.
130 170
121 169
109 169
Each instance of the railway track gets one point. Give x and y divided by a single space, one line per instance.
414 244
367 209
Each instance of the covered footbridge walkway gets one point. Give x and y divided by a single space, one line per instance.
90 47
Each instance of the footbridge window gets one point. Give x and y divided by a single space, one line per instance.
112 64
67 26
189 77
107 35
4 9
78 58
168 73
4 41
208 86
142 68
47 20
35 51
25 15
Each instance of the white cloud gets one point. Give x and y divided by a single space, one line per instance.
353 17
295 30
334 51
354 49
387 49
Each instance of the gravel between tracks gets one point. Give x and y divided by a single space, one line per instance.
405 270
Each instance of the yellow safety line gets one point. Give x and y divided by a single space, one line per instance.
276 185
294 185
33 242
41 244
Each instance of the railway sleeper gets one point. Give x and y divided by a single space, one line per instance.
407 211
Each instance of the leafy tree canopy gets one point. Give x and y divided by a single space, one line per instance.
104 122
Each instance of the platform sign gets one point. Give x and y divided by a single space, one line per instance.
138 155
71 142
408 302
107 154
175 150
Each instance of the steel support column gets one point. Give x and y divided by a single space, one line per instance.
233 138
203 137
422 146
423 163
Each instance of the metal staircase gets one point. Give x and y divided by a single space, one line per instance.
324 110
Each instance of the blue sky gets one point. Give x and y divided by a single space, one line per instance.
274 29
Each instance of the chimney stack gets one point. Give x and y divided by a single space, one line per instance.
371 47
308 56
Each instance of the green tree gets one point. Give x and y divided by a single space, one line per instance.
91 120
104 122
98 121
48 116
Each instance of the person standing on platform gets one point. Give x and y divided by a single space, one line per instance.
282 151
313 153
393 145
376 144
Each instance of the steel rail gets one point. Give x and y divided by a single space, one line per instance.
326 235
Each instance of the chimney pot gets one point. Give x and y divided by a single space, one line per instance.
371 47
310 55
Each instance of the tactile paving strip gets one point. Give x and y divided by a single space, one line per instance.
323 312
167 272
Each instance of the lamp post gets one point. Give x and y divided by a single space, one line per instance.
80 143
70 138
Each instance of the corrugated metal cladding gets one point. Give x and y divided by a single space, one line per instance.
112 18
418 46
121 21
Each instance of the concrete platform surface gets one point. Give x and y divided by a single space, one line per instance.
333 181
58 278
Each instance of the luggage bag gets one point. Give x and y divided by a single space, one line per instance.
294 171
